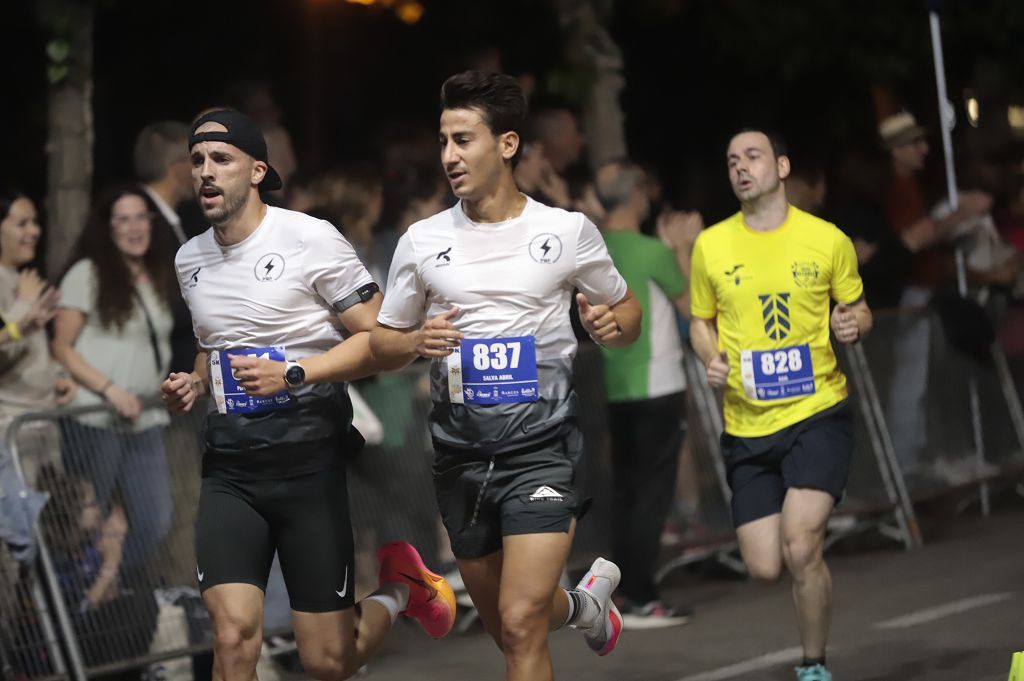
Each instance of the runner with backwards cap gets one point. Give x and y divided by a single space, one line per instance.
282 309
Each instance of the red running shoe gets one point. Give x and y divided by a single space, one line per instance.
431 599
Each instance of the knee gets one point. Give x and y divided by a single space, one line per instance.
234 636
522 627
765 571
802 554
329 667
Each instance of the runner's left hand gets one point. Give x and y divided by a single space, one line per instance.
258 376
844 324
598 320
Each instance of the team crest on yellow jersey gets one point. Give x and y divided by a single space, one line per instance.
775 311
805 273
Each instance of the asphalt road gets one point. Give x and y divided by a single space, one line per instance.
952 611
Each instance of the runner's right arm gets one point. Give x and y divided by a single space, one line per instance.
703 325
436 338
181 389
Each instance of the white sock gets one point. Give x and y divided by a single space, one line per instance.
584 610
394 596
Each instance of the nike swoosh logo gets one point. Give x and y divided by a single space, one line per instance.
420 582
733 270
344 586
199 574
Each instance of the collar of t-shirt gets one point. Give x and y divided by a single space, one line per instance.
460 212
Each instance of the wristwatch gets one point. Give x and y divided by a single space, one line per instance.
294 374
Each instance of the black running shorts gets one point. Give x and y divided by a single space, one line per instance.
483 498
305 518
813 454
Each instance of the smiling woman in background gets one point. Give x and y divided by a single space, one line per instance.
113 332
29 379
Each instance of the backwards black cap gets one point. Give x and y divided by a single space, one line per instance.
242 133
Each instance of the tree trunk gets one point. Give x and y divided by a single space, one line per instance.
590 46
70 138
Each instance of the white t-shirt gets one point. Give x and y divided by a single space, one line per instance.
508 279
278 287
123 355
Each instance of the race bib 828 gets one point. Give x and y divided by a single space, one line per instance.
777 374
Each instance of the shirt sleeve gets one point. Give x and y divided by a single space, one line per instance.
666 272
703 303
78 288
405 297
596 275
847 286
331 266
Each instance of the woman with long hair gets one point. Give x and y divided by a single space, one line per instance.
113 330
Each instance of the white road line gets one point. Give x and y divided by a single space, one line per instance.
947 610
752 665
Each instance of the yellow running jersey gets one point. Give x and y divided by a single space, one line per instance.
769 292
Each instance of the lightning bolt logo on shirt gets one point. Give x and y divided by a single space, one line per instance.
269 267
546 248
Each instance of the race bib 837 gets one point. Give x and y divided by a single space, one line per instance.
493 371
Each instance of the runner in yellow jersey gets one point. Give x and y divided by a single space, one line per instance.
761 286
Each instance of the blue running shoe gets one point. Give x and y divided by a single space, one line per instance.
817 672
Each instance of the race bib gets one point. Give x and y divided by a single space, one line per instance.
229 396
777 374
493 371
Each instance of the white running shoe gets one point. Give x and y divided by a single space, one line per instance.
599 583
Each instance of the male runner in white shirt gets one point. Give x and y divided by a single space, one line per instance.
494 275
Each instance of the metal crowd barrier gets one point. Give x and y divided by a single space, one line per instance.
954 421
56 622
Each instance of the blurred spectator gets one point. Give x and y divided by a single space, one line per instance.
255 99
351 197
112 622
29 378
907 209
412 193
298 195
113 336
87 544
907 213
558 131
163 167
883 256
806 187
400 400
645 386
536 177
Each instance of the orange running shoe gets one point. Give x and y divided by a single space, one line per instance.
431 599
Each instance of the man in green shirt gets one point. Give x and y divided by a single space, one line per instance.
645 386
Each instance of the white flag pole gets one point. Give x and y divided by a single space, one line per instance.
947 119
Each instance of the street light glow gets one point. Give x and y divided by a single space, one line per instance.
972 111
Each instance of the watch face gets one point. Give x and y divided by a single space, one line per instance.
295 375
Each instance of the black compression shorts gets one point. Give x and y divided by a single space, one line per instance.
305 518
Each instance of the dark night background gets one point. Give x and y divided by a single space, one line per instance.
695 70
